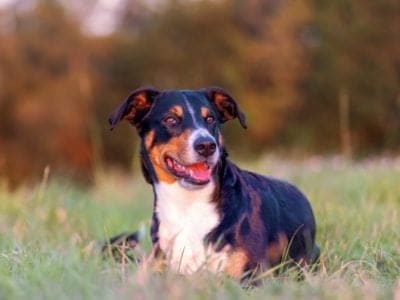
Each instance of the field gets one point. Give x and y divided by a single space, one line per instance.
50 236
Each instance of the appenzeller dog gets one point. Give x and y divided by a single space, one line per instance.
208 213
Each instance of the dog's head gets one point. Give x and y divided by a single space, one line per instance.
180 130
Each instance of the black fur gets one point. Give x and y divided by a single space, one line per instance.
281 208
266 218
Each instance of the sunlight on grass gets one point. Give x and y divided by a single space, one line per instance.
50 236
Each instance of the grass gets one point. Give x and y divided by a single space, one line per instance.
50 237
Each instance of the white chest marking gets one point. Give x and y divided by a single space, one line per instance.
185 217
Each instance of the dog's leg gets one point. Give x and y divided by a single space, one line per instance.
123 247
314 259
156 260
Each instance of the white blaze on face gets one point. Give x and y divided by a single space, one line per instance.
198 132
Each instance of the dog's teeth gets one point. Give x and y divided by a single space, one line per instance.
177 165
170 163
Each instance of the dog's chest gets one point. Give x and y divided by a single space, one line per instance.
185 218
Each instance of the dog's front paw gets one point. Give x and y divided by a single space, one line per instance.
123 247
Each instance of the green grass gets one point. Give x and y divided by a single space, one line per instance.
50 236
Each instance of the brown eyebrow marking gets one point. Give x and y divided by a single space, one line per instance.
177 109
205 112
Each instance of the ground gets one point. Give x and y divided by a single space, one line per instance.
50 235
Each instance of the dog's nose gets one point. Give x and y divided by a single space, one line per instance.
205 146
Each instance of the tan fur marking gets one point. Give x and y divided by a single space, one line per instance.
236 263
220 139
177 109
141 99
158 165
148 140
205 112
175 147
277 249
140 102
220 101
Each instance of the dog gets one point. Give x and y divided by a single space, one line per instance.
208 213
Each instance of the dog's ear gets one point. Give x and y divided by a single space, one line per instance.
134 108
225 105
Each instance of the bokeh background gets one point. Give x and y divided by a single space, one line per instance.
314 77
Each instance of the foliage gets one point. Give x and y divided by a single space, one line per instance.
359 54
286 62
44 97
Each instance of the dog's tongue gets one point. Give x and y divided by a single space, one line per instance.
200 171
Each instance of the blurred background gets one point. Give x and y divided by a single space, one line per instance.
314 77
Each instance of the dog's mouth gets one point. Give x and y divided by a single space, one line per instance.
198 173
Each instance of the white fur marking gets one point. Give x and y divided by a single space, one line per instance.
198 132
186 217
191 112
193 137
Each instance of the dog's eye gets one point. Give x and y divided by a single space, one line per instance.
210 119
171 121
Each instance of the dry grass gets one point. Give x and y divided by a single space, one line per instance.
50 233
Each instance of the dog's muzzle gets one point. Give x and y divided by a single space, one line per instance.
205 146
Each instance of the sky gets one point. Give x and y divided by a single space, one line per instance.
100 19
5 2
99 16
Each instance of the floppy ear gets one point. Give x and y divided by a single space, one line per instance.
226 105
134 108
